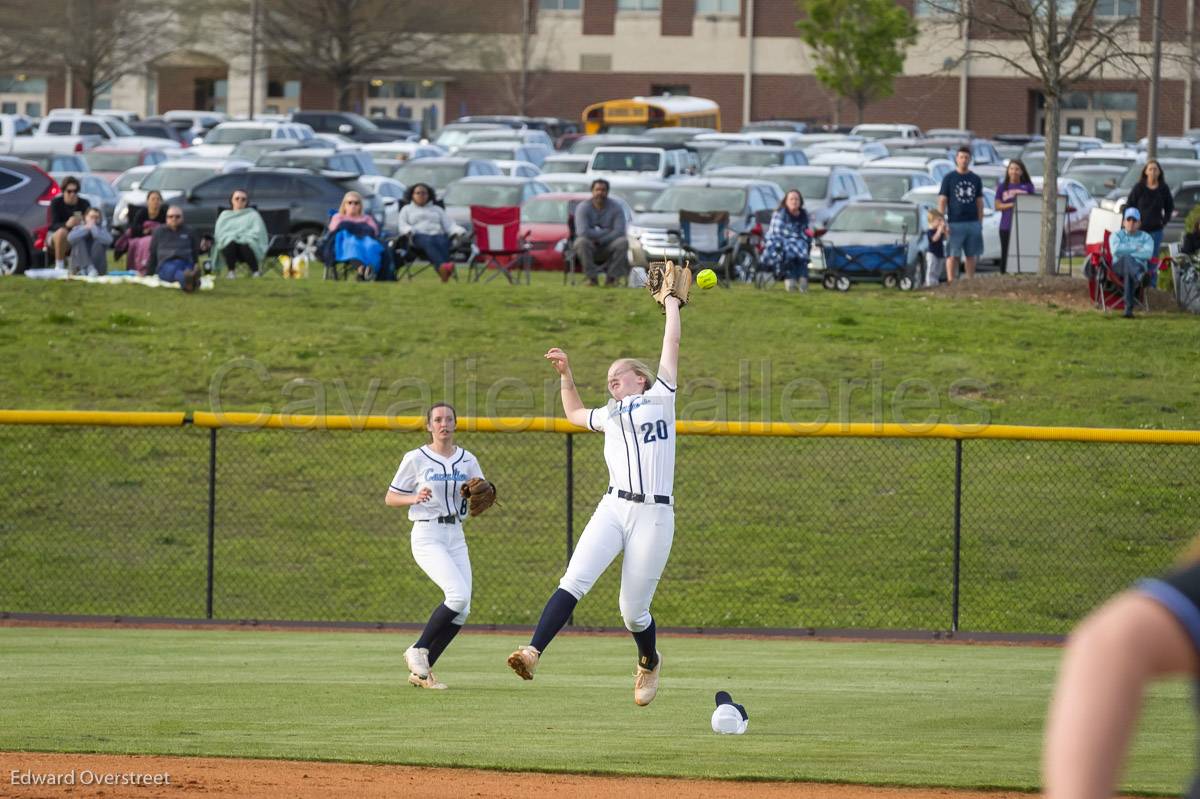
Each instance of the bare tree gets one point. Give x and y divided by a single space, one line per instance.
1058 44
91 40
342 41
523 69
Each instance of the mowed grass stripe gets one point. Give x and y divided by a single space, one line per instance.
910 714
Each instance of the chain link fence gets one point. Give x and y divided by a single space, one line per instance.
908 533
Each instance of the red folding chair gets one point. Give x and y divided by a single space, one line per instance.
498 243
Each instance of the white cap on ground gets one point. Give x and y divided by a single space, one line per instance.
728 718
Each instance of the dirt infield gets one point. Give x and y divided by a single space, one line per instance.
271 779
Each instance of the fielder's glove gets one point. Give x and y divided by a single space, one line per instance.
480 495
664 278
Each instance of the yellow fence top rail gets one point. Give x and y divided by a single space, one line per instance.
546 424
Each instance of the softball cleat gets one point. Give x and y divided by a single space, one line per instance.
418 661
524 661
431 682
645 682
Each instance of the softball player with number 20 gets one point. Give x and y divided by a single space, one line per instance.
636 514
429 483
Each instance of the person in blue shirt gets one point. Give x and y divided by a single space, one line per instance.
1131 250
960 200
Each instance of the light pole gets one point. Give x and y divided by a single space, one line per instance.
253 52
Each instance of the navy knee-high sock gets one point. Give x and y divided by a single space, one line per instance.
439 644
647 655
439 620
558 609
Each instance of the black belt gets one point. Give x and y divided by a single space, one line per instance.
443 519
656 499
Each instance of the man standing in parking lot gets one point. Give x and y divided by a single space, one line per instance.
600 242
961 201
175 252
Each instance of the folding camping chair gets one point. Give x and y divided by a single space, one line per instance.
704 236
1106 286
498 243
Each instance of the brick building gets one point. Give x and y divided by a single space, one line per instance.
744 54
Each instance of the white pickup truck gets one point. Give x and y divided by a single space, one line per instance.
18 136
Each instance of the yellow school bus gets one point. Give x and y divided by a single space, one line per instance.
637 114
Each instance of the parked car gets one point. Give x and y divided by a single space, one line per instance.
876 131
111 129
1171 147
949 133
506 150
253 149
456 134
646 162
524 136
131 178
19 136
1098 179
25 194
403 150
309 198
657 230
220 141
440 172
1102 156
390 194
413 127
339 163
789 125
754 155
172 180
59 162
845 158
825 189
160 129
1079 211
544 225
570 182
489 191
874 222
109 162
565 163
677 136
355 126
936 167
638 193
586 145
193 125
893 184
1187 196
927 197
1035 162
518 169
1176 171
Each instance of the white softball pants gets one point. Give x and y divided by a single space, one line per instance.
441 552
644 533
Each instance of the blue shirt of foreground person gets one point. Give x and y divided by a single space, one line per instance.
1131 250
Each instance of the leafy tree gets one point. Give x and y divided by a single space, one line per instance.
859 45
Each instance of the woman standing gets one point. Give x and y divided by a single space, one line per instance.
636 515
429 483
240 236
1016 181
1152 197
787 243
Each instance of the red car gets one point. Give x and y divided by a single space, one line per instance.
544 225
110 162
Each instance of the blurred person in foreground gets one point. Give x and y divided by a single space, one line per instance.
1147 633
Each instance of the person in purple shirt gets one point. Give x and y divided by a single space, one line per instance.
1016 181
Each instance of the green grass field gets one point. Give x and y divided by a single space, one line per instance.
906 714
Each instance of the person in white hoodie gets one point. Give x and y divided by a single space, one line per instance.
89 245
430 227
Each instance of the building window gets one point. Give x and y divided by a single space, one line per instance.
560 5
22 84
8 108
639 5
933 8
283 88
1115 9
725 8
676 89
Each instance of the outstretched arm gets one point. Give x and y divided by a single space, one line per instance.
668 362
1109 660
572 405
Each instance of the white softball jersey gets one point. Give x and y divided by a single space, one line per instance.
438 544
635 516
639 440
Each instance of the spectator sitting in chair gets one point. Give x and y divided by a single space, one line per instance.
143 223
600 242
175 252
66 212
1191 236
89 245
430 227
1131 252
240 236
353 236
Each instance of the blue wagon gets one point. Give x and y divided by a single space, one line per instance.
845 265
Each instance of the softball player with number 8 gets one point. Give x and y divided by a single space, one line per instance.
636 515
429 483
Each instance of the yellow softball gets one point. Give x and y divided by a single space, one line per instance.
706 279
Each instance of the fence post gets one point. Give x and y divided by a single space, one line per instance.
212 518
570 505
958 451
